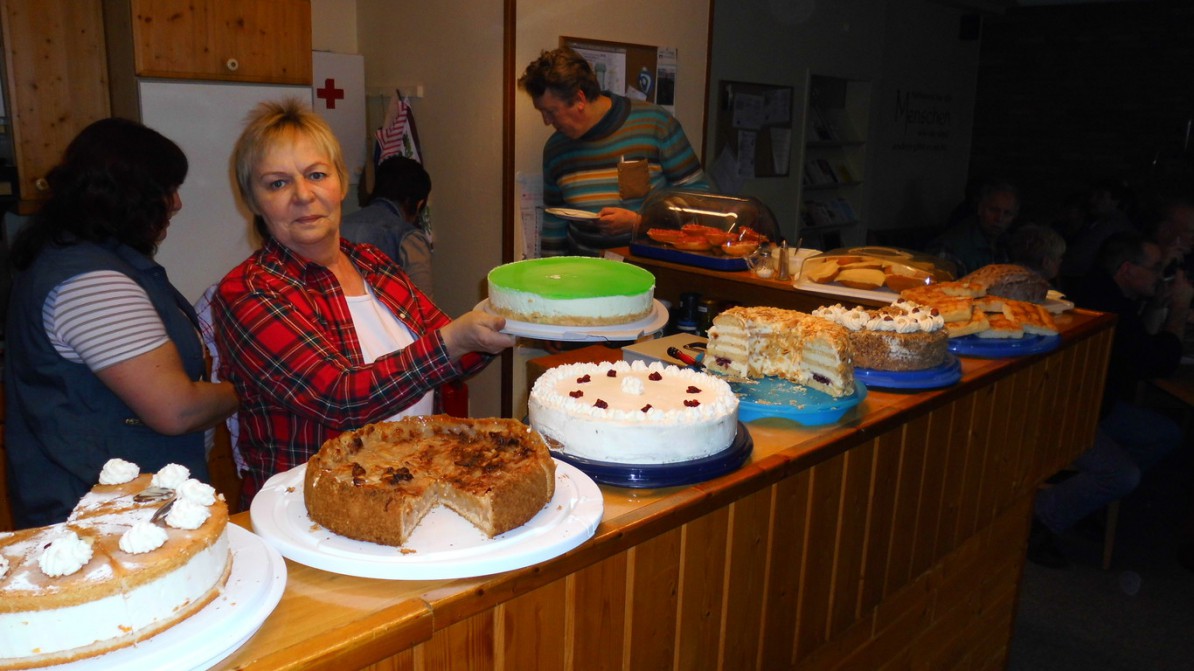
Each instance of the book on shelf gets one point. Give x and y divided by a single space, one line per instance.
827 169
822 129
843 173
816 174
844 210
821 213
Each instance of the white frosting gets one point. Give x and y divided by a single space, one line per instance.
643 421
65 555
171 476
186 514
116 616
118 472
143 537
197 492
905 317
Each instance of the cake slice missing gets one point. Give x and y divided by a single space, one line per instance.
377 483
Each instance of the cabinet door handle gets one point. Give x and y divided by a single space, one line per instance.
41 184
232 64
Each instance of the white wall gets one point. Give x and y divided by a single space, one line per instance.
454 49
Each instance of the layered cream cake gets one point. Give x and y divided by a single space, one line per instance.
378 482
109 576
633 413
754 342
571 291
904 336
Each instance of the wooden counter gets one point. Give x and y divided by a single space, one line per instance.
673 279
894 539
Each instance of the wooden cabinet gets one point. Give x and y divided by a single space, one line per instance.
261 41
57 82
832 186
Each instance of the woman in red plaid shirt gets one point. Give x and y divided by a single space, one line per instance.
320 335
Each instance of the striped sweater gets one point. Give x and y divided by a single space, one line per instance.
583 173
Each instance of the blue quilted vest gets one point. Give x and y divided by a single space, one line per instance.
62 422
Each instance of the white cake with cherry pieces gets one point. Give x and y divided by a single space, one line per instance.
901 337
755 342
633 412
108 577
571 291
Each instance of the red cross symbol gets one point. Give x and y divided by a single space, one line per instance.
330 93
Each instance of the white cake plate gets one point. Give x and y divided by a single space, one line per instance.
629 331
254 587
444 545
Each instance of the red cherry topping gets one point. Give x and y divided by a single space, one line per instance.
576 394
600 404
655 377
645 407
583 379
611 373
691 403
694 390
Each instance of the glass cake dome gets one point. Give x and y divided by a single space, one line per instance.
708 229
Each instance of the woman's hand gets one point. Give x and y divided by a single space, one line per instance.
476 332
617 220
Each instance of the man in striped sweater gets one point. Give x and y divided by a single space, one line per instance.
607 154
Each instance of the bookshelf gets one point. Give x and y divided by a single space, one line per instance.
833 161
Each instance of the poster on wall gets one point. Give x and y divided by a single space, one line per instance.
923 122
630 70
754 126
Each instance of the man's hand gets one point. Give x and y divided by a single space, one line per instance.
476 332
618 220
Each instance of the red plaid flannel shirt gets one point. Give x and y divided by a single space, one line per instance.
288 344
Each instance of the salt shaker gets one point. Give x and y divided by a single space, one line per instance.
782 265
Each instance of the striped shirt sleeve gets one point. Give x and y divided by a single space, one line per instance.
102 318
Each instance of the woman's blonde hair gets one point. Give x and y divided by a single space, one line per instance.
271 122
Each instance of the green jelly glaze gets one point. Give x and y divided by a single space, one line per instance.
573 277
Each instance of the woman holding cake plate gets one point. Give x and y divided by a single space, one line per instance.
318 334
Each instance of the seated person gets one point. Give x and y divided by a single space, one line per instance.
1038 248
978 239
1105 215
390 218
1130 438
607 154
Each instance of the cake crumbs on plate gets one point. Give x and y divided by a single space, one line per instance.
407 551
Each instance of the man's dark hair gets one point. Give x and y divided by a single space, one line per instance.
563 72
1118 248
116 181
402 180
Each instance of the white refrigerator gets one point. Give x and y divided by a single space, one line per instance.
213 232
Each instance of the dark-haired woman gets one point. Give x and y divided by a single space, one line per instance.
103 356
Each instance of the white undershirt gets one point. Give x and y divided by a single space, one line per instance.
380 333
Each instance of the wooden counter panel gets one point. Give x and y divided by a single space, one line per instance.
893 540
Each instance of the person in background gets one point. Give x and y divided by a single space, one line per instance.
318 334
1130 438
606 155
978 239
1038 248
390 218
1107 211
104 358
1170 223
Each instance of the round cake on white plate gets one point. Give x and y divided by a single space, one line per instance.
633 413
109 577
571 291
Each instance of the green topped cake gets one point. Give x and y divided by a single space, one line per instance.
571 291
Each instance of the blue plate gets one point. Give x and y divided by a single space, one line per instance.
999 348
948 373
777 397
641 476
688 258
